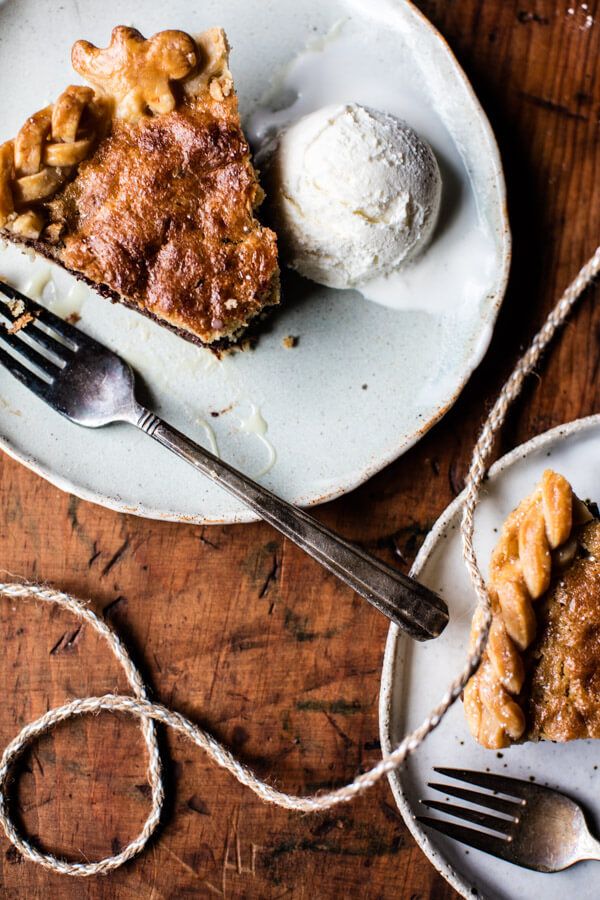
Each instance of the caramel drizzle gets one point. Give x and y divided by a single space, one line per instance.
520 573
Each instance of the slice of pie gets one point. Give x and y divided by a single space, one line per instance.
540 674
142 185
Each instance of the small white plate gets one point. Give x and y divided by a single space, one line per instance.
415 677
366 380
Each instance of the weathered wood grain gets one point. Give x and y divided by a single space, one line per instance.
235 627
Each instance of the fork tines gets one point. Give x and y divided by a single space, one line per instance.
38 354
503 826
40 314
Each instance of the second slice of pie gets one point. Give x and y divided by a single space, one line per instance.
143 186
539 678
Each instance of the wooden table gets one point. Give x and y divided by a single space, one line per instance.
238 629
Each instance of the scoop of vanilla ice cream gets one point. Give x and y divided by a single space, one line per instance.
355 194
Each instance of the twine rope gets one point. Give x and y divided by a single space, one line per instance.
148 712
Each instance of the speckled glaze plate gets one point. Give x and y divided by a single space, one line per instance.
415 677
365 381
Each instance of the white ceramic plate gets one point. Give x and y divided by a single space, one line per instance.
366 381
415 678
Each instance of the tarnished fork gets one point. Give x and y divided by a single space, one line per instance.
537 827
92 386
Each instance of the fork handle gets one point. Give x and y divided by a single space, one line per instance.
413 607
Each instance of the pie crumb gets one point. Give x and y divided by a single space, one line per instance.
20 323
17 307
290 341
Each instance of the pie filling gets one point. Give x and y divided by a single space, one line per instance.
142 184
539 678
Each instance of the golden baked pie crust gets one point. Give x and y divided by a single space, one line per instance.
520 574
143 185
563 691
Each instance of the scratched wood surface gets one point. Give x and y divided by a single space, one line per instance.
234 626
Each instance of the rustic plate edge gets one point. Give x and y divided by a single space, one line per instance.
394 643
361 477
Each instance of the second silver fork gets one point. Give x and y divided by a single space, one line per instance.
519 821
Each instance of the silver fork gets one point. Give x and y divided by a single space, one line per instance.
92 386
538 828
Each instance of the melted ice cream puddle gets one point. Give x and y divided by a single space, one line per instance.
37 284
339 69
210 436
69 303
42 288
255 423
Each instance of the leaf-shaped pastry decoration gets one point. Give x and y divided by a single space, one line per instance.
137 73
